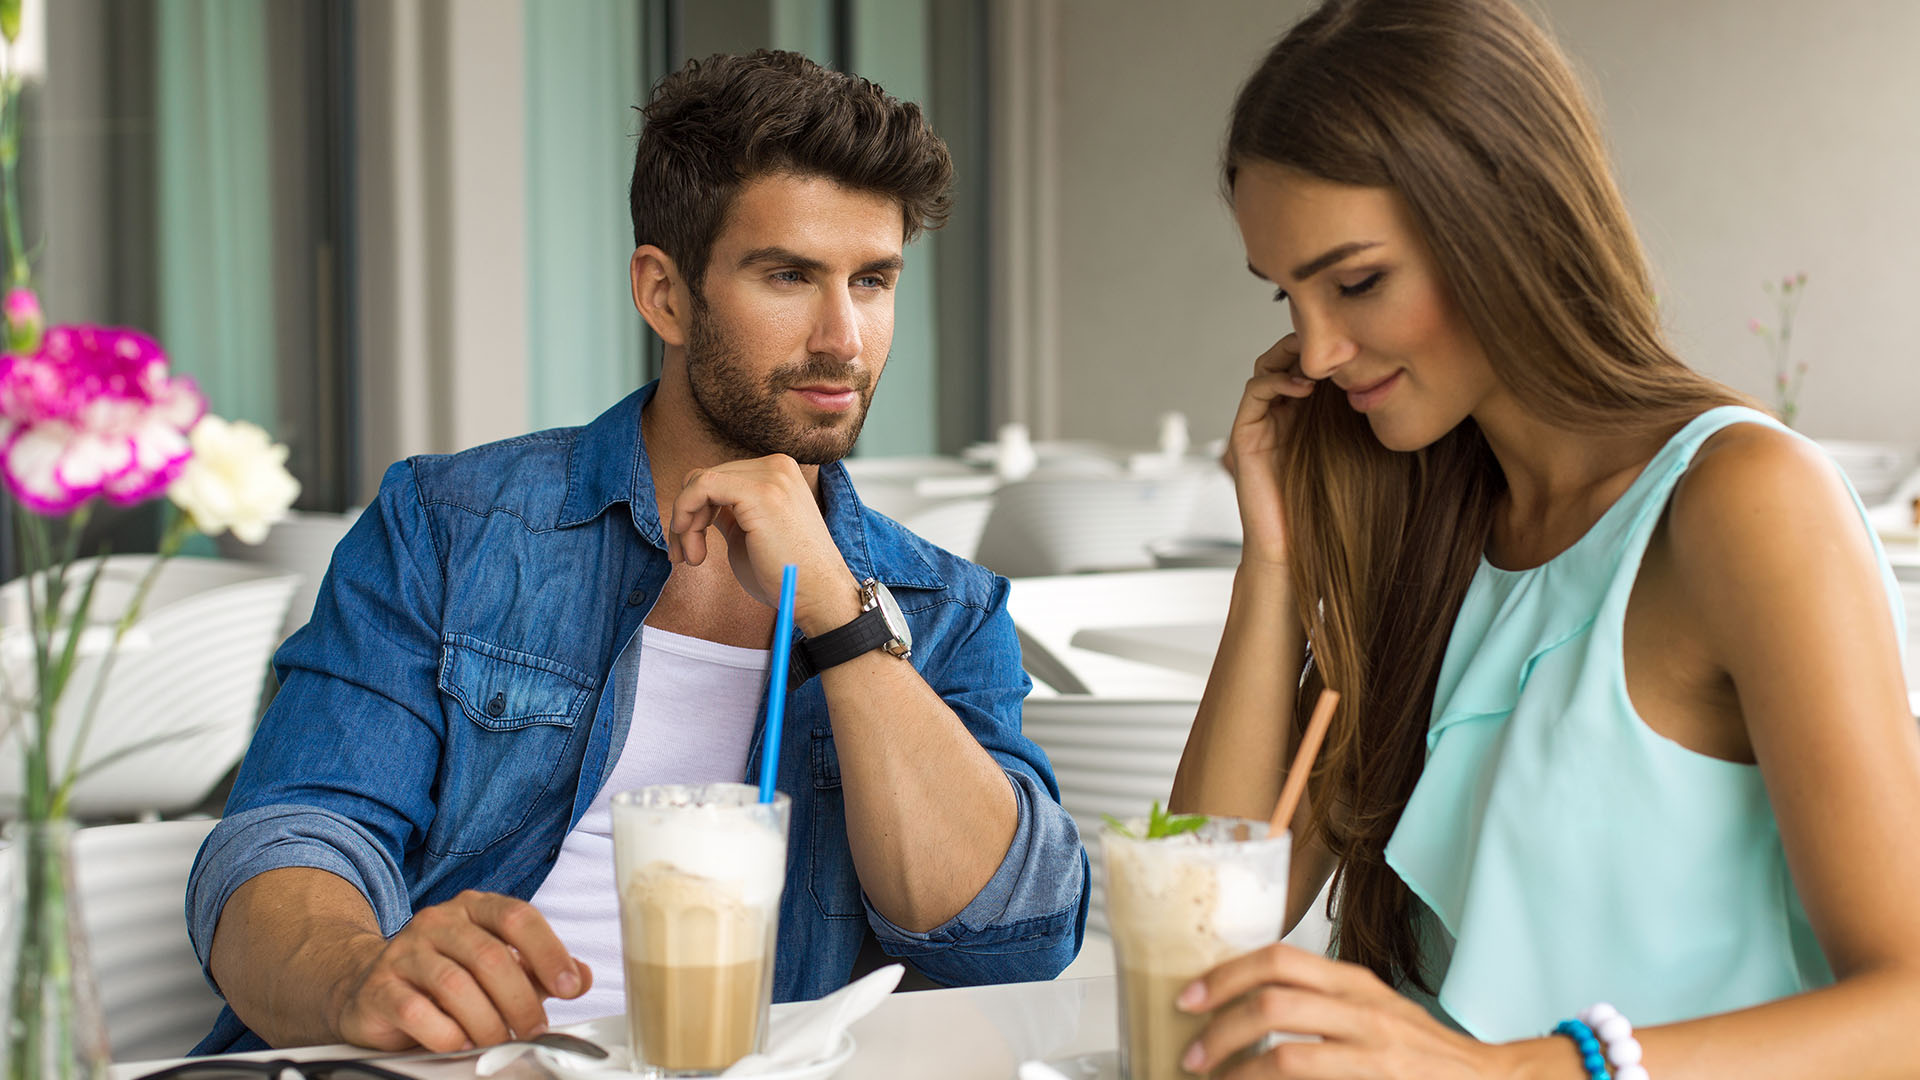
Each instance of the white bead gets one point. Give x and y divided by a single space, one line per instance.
1599 1013
1624 1051
1630 1072
1613 1028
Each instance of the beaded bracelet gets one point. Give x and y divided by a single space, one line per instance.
1589 1047
1623 1050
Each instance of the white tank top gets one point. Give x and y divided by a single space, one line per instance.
693 715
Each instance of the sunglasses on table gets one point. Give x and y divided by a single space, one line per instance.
237 1069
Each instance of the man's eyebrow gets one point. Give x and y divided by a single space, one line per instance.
1313 266
779 256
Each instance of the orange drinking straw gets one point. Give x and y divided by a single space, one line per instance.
1303 761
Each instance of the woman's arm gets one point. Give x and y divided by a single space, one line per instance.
1770 550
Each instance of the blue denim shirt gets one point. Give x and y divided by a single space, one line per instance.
465 686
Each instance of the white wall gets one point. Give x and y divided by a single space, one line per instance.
1753 138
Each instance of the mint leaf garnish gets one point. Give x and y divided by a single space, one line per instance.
1161 824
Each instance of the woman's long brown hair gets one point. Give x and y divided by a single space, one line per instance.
1469 112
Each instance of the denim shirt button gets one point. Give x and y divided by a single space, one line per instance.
636 597
498 705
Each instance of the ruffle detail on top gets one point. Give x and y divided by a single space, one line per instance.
1542 783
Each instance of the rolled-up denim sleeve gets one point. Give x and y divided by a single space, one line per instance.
1026 923
340 774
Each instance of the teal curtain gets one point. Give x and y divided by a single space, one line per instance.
891 46
805 27
586 70
217 317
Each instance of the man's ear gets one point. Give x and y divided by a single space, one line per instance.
659 294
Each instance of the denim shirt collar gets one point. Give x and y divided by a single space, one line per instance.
608 464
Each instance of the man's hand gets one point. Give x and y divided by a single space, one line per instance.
770 518
472 971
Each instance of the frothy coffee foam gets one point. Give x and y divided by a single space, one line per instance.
743 860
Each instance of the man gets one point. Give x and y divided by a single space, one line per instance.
416 850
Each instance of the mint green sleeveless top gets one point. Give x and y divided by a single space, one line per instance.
1565 852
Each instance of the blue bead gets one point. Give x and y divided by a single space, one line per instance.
1596 1065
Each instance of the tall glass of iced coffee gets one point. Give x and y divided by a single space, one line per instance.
1176 907
699 869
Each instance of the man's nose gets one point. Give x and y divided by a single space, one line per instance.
836 329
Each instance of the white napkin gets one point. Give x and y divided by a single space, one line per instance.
812 1033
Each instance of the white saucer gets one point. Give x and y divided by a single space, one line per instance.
611 1032
1099 1065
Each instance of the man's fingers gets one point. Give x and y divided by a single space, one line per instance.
521 926
455 992
491 964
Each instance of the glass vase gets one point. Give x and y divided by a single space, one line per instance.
54 1028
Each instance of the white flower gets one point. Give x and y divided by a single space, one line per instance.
237 479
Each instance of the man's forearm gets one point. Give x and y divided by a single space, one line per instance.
930 814
288 944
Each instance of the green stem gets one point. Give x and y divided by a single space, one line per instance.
43 971
176 534
18 276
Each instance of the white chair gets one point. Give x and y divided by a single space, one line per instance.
1116 757
1063 525
1047 611
303 543
953 524
1875 469
132 885
192 667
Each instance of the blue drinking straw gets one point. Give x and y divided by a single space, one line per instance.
777 682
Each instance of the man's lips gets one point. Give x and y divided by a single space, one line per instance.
829 398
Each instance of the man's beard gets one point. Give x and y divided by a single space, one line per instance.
747 417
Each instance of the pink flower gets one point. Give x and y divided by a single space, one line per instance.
22 305
24 322
1753 326
93 412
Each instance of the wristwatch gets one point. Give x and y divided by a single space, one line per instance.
880 625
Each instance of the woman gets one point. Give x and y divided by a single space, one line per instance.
1623 717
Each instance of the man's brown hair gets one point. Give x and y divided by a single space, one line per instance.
718 123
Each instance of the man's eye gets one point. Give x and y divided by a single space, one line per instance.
1279 296
871 281
1358 288
789 276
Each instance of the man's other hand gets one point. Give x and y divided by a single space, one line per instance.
769 516
472 971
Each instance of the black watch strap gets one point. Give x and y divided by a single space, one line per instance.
811 656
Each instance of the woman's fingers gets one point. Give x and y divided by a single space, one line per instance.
1280 965
1246 1020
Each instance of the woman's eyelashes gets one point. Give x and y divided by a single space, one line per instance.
1358 288
1363 286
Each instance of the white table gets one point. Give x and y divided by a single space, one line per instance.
1187 647
971 1033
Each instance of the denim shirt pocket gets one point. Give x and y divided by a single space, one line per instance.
507 743
835 887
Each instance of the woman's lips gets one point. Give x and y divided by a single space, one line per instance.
828 399
1367 397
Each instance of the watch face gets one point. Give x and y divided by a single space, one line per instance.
895 619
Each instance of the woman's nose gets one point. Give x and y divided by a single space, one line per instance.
1323 350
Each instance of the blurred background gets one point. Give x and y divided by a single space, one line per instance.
384 227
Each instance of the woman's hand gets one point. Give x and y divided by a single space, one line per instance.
1366 1028
1266 411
